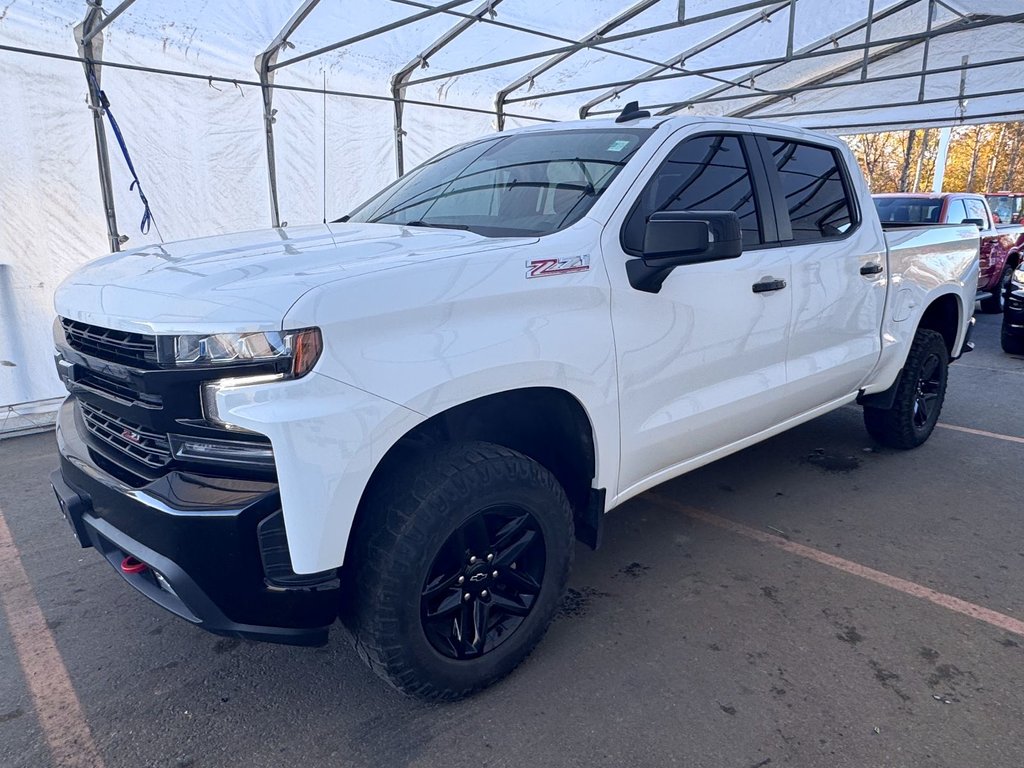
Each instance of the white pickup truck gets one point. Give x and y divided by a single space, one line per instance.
406 417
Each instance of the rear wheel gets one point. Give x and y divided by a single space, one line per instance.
460 564
919 396
993 305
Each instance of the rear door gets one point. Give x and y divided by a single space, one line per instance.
839 271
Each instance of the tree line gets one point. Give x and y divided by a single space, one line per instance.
982 158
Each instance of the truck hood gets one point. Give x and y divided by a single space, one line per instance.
246 281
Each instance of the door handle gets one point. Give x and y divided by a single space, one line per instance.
769 284
871 269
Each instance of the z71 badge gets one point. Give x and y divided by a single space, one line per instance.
557 266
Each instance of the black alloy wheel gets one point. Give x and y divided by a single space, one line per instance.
459 558
927 390
917 400
483 583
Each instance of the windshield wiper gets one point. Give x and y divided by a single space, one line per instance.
436 224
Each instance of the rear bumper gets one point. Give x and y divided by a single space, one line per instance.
199 538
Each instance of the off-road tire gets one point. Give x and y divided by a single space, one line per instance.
405 521
897 426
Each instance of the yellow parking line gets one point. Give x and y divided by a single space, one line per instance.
60 715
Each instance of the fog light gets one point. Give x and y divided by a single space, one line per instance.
222 451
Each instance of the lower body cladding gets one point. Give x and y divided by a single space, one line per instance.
210 550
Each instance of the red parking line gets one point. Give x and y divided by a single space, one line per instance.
996 619
56 704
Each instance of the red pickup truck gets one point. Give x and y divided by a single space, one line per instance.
1001 244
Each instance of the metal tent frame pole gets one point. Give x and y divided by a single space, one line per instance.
828 86
88 35
809 51
400 79
680 59
890 45
265 69
594 37
575 45
432 11
826 78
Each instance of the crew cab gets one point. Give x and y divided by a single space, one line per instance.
1001 244
404 418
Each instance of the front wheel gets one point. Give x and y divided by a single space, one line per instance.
919 396
460 560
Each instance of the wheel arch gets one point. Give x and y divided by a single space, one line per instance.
944 314
547 424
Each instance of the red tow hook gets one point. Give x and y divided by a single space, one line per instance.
131 565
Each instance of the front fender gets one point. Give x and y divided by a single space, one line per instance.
327 437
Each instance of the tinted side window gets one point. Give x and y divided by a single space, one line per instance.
976 210
705 173
816 195
956 213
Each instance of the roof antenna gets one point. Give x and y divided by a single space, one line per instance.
631 111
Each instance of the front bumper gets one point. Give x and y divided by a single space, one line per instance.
200 540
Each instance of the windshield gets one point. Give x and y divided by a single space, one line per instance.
911 210
524 184
1006 208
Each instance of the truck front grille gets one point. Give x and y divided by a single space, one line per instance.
107 344
146 447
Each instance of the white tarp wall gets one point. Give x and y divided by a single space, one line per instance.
199 149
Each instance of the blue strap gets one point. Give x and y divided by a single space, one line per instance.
147 215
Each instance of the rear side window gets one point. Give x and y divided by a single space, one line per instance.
704 173
910 210
956 213
976 210
817 198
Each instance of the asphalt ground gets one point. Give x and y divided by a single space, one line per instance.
681 642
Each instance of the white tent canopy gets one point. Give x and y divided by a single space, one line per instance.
351 90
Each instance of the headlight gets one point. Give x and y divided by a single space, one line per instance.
1018 276
302 347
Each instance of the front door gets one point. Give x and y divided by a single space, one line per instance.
701 362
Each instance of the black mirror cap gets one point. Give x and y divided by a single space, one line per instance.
979 223
676 238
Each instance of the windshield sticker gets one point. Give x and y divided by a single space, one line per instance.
556 266
618 145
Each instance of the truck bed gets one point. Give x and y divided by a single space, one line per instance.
931 248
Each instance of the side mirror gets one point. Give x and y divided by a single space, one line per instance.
677 238
979 223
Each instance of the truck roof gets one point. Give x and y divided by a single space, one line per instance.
672 123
